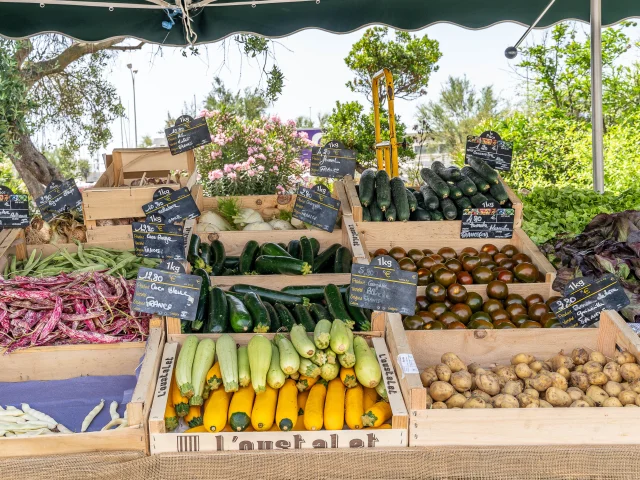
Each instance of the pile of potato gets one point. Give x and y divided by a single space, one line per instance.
582 379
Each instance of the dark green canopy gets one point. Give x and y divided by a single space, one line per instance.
274 18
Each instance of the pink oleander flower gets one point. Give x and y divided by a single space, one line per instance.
294 134
251 151
257 140
216 154
251 173
232 175
280 189
260 168
274 168
291 123
261 156
303 135
215 175
269 148
228 168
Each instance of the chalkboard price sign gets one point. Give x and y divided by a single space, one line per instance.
490 148
487 223
171 266
383 286
587 299
168 294
316 207
158 241
333 161
187 134
173 207
14 209
59 197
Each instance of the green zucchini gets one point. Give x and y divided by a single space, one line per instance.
336 307
193 252
463 203
448 174
244 372
499 193
318 312
205 253
184 366
411 199
340 341
294 249
366 216
390 213
218 257
289 358
312 292
342 263
400 200
420 215
467 186
367 187
436 215
259 313
316 246
383 190
303 317
448 209
484 170
478 200
306 250
438 185
454 192
228 358
218 311
324 261
481 184
267 264
231 263
202 362
275 375
419 199
203 302
260 352
274 320
248 257
267 294
377 215
286 318
239 316
360 319
274 250
431 201
348 358
185 326
301 341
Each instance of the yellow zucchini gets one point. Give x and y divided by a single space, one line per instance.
194 417
216 410
213 380
198 429
354 408
348 377
170 417
384 426
180 402
334 405
302 401
305 383
370 398
377 415
240 408
299 424
287 409
314 408
264 409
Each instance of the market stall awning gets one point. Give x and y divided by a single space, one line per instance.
92 20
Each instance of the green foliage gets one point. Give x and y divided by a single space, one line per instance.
146 142
9 177
254 47
65 160
410 59
249 104
304 122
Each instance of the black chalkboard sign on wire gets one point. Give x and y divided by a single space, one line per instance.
316 207
14 209
59 197
187 134
487 223
173 207
158 241
490 147
333 161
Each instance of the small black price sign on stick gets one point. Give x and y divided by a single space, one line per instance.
585 299
59 197
153 240
487 223
490 147
333 161
168 294
383 286
315 206
174 206
14 209
187 134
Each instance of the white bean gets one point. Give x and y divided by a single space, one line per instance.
92 414
113 410
63 429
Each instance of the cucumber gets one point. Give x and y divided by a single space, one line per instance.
294 249
336 307
218 320
239 316
484 170
450 174
454 192
259 313
303 317
274 320
316 246
467 186
400 200
312 292
284 315
436 215
342 263
377 215
274 250
267 264
448 209
324 261
431 201
438 185
203 301
390 213
248 257
231 263
367 187
499 193
205 253
267 294
411 199
366 216
193 252
463 203
306 250
383 190
318 312
478 200
218 257
301 341
420 215
244 372
481 184
361 322
419 199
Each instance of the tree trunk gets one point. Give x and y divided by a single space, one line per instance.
34 168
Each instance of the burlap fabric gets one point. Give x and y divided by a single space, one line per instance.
481 463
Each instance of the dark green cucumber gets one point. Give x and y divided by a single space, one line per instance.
248 257
367 187
333 298
448 209
360 319
413 202
438 185
419 199
274 250
499 193
259 313
231 263
420 215
400 200
484 170
390 213
318 312
323 261
467 186
286 318
203 301
302 315
185 326
294 249
273 317
383 190
306 250
481 184
218 256
454 192
431 200
377 215
366 216
436 215
312 292
205 253
239 316
450 174
267 294
193 251
463 203
268 265
218 312
342 263
453 173
478 200
316 246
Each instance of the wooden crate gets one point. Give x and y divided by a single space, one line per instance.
162 441
512 427
70 361
12 242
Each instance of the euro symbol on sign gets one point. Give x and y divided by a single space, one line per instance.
387 274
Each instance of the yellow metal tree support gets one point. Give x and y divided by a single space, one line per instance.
387 151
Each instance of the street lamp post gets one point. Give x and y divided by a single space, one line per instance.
135 115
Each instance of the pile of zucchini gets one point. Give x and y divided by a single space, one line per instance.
299 257
447 192
247 308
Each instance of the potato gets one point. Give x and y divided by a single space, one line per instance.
631 405
512 388
630 372
505 401
612 371
613 389
547 366
589 400
638 400
561 360
558 381
466 394
579 403
564 372
443 372
488 405
627 397
625 357
545 404
597 394
461 380
429 400
533 405
472 367
525 400
428 376
597 378
532 392
488 383
541 382
441 391
482 395
626 386
439 405
579 380
506 374
536 366
597 357
634 386
522 358
456 400
579 356
591 367
575 393
452 361
474 402
557 397
523 371
579 368
612 402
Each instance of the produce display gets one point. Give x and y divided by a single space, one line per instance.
298 257
470 266
453 307
446 193
248 308
65 228
581 379
295 382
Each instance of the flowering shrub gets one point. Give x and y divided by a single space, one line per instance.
258 157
